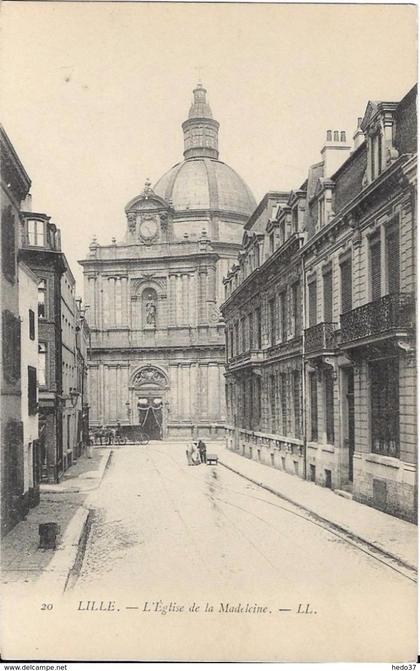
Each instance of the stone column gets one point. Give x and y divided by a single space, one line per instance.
124 304
185 304
202 296
172 301
213 386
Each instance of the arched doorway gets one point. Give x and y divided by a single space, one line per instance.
148 393
151 416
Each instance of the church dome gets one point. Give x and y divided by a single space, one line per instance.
201 181
206 184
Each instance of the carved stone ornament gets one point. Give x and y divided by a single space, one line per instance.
149 375
131 218
148 227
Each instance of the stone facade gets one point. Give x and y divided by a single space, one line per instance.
15 185
264 337
28 308
157 338
357 272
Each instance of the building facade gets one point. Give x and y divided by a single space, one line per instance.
356 267
157 338
28 307
41 252
15 185
264 337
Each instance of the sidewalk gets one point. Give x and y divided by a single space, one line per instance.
21 559
389 534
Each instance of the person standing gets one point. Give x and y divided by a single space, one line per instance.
202 448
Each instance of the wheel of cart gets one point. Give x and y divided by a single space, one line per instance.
144 438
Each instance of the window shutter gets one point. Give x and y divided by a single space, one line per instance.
375 269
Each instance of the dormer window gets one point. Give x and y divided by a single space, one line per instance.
321 212
36 233
295 220
376 155
272 242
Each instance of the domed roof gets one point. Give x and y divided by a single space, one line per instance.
205 184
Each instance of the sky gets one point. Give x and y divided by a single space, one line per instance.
94 94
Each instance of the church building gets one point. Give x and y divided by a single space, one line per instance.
157 337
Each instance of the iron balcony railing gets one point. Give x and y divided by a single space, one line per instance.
395 311
320 337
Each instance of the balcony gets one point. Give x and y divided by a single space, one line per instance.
249 358
320 338
387 316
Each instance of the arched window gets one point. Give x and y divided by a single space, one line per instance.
149 308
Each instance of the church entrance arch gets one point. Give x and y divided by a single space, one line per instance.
149 406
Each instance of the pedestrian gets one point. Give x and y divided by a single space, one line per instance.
188 452
202 449
195 455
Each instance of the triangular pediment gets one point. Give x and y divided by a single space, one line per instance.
370 112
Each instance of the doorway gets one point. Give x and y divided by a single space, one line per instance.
151 416
350 419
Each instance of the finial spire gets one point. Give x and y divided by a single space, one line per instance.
200 129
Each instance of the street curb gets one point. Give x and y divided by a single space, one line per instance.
57 572
357 540
78 490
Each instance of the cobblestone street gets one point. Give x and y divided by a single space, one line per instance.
163 530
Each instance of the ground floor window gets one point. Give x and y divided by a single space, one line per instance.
329 406
384 400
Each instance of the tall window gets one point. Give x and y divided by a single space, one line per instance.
31 315
294 308
375 267
376 155
283 315
329 406
243 334
257 387
346 286
384 393
273 403
272 319
231 341
295 219
312 296
42 298
283 402
236 337
393 260
313 386
258 326
42 364
251 331
271 242
11 346
36 233
321 212
296 402
327 282
32 400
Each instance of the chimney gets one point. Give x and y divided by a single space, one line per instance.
358 136
27 204
335 151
